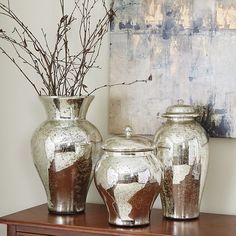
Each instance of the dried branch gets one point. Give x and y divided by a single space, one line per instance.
122 84
23 46
15 63
61 72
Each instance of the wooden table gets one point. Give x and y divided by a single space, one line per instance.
37 221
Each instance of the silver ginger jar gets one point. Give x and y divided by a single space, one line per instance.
65 150
182 147
128 177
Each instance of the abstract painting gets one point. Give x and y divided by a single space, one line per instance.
188 48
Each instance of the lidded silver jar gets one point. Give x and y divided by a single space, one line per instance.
182 147
128 177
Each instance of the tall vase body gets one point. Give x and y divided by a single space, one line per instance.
182 146
65 150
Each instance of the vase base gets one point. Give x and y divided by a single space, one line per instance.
180 218
65 212
133 223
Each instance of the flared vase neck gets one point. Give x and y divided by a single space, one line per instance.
66 108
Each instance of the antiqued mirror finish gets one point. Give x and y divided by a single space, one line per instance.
65 150
182 147
128 177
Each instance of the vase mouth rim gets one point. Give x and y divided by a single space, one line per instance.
66 97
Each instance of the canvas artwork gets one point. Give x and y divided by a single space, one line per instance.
188 48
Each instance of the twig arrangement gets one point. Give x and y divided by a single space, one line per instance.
61 71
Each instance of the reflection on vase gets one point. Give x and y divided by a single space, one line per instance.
65 150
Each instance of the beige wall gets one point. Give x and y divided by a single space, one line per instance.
21 112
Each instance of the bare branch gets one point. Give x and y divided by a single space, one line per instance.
46 41
121 84
15 63
61 72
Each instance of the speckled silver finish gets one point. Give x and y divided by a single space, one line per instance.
65 149
182 147
128 177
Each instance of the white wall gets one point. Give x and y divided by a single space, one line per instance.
21 112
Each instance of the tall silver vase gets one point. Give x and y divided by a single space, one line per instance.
182 147
65 150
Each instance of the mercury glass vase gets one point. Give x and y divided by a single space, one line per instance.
65 150
182 147
128 178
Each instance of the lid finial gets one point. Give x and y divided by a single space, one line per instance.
128 131
180 102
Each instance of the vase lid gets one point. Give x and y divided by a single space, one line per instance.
128 143
180 110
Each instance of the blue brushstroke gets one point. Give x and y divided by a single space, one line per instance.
128 26
197 25
168 27
190 78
